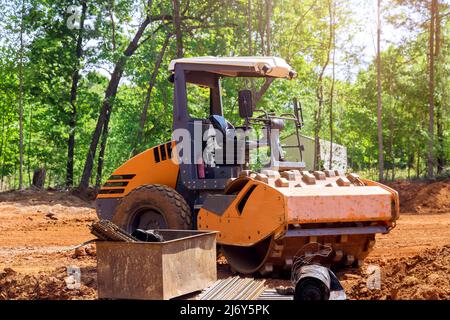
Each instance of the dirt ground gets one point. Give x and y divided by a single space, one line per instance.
37 230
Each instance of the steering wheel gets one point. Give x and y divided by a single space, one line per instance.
221 124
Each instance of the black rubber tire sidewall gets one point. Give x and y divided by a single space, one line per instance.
164 199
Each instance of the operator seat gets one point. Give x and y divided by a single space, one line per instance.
226 138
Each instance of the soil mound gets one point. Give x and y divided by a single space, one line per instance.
424 276
47 197
46 286
423 197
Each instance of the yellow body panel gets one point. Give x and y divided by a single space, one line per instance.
332 204
270 210
394 196
144 169
263 215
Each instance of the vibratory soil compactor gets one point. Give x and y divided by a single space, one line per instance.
266 213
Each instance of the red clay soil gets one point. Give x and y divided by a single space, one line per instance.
424 276
38 228
423 197
47 285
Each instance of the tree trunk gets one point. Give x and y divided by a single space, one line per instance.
105 130
440 159
73 99
110 94
107 106
249 27
269 10
264 87
101 154
39 178
14 176
430 160
319 94
410 163
151 84
261 26
391 147
1 147
29 146
7 135
2 140
113 24
332 84
177 27
418 164
21 94
379 100
49 179
440 140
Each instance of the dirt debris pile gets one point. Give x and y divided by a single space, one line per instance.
46 197
46 286
424 276
423 197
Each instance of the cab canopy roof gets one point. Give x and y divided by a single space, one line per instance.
238 66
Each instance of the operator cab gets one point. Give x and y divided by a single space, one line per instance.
219 150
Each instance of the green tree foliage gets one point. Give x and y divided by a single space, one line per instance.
298 31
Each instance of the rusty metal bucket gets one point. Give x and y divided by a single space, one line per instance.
185 262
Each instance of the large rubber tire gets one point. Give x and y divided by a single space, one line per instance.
164 205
